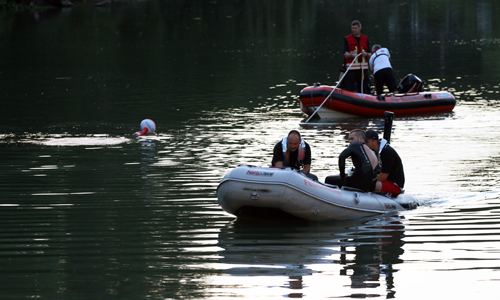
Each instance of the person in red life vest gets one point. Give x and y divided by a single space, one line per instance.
391 178
293 152
148 127
355 44
364 176
380 64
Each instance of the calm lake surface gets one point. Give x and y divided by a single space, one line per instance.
88 211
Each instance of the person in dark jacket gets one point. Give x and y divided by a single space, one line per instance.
365 163
392 177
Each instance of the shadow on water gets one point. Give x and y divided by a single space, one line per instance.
365 251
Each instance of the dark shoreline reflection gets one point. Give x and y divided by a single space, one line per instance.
367 250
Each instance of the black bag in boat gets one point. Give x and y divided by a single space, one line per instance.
410 84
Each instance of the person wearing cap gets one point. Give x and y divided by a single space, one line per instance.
293 152
365 163
391 178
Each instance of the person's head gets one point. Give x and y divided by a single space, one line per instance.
356 136
293 140
356 28
371 140
376 47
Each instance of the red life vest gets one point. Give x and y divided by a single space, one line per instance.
354 46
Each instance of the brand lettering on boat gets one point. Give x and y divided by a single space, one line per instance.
256 173
412 98
406 98
389 206
310 183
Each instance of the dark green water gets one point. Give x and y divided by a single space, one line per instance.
88 211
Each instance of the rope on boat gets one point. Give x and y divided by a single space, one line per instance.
362 74
334 87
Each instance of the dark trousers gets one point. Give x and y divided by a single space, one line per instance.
335 180
385 77
357 182
352 81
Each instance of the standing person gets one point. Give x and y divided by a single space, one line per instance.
380 64
365 165
355 44
293 152
392 177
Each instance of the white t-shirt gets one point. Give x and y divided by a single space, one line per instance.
380 60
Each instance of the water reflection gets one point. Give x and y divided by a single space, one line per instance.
364 251
84 217
375 256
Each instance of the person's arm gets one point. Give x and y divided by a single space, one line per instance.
348 54
342 157
382 176
307 160
278 156
387 158
306 169
342 168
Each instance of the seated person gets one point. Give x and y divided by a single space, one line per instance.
391 179
365 165
293 152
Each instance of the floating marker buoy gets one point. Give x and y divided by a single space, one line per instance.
147 127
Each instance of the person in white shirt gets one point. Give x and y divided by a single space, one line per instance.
380 64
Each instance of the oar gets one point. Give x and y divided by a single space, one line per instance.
388 116
333 89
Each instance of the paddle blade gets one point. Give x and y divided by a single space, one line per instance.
388 116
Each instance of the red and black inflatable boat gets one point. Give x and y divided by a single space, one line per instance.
346 104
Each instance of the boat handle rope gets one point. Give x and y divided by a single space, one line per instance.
333 88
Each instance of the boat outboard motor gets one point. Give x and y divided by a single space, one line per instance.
410 84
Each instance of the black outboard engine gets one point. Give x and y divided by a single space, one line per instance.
410 84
